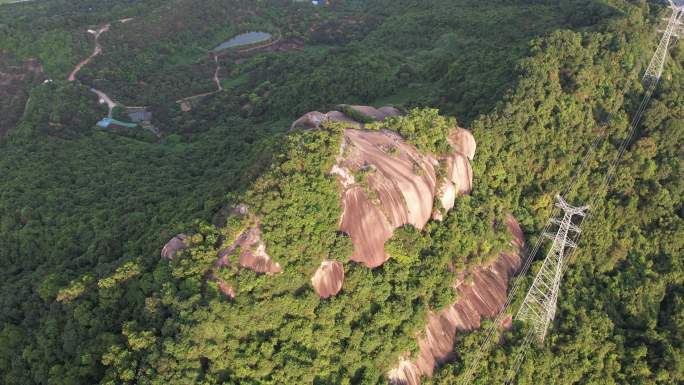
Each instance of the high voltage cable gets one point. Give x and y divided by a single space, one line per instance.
530 334
652 83
530 257
527 263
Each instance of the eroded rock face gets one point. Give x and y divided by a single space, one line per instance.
406 373
310 120
315 119
253 254
252 251
179 242
398 187
389 111
483 298
337 116
387 183
459 173
375 113
328 279
462 141
223 286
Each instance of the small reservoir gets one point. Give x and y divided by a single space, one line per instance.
244 39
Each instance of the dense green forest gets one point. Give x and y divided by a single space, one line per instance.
84 212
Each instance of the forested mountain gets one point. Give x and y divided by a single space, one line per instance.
86 211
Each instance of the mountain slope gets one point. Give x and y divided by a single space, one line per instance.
84 213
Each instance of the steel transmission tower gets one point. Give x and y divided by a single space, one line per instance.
539 306
655 68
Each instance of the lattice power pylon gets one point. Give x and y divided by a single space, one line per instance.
539 306
674 26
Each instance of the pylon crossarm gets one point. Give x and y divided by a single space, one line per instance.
572 227
567 208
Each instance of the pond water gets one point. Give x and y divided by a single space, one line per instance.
244 39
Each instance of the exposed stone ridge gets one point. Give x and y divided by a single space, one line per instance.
175 244
395 185
405 373
253 254
328 279
463 141
375 113
222 285
483 298
252 251
458 179
315 119
387 182
459 175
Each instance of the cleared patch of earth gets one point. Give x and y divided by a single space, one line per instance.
16 79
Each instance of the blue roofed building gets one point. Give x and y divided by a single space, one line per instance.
104 123
113 123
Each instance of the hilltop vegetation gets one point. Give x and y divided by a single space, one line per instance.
84 213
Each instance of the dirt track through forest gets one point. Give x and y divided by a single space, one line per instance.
215 78
103 98
216 73
96 51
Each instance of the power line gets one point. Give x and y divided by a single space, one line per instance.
540 303
650 80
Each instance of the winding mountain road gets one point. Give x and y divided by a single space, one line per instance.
216 73
103 98
96 51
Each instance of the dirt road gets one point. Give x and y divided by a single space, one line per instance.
96 51
216 73
103 98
